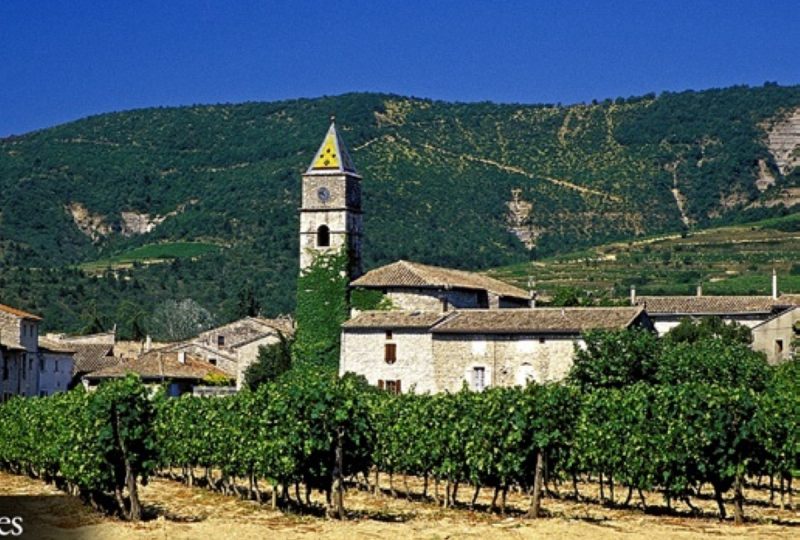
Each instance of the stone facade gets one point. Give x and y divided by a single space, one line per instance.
234 346
364 352
774 337
25 368
506 360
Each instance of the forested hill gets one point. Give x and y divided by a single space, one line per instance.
444 183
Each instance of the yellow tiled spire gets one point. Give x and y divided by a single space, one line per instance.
332 156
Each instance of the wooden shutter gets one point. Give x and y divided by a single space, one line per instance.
390 353
397 386
380 384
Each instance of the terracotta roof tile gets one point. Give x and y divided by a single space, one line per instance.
411 274
538 320
395 319
156 364
706 305
19 313
90 357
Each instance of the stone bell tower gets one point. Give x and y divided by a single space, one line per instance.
330 214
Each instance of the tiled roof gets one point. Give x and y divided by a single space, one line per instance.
789 300
19 313
91 357
395 319
55 346
411 274
156 364
706 305
538 320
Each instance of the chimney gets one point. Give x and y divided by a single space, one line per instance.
633 295
700 290
182 357
774 285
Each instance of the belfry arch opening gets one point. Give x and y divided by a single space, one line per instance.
323 236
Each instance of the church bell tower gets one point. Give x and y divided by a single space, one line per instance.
330 214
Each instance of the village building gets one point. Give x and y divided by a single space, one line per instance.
28 367
426 351
91 352
414 286
771 319
233 347
179 373
445 327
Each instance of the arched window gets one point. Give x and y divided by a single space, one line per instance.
323 236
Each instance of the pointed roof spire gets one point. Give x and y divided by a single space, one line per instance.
332 156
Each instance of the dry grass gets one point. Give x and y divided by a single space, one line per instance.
178 511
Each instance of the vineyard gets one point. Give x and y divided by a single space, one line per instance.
640 417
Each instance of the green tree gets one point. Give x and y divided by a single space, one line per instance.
273 360
612 359
694 330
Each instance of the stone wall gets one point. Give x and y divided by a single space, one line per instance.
247 354
410 299
18 332
508 360
774 337
363 353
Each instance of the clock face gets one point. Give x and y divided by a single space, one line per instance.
323 194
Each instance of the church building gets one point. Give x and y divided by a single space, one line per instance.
445 328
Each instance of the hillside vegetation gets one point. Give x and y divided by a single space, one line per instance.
438 178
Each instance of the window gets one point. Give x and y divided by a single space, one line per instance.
478 378
388 334
393 387
390 353
55 369
5 370
541 340
41 363
212 361
220 341
323 236
778 346
42 394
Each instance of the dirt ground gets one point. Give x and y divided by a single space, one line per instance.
176 511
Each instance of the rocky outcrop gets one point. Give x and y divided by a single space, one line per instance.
92 225
518 219
783 141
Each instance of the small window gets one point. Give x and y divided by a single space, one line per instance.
778 346
220 341
323 236
393 387
41 363
212 361
42 394
5 370
541 340
389 334
390 353
478 378
55 370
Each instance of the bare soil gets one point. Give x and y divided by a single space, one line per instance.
177 511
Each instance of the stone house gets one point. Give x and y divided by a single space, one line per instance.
426 351
178 371
779 336
412 286
771 319
90 352
234 347
26 367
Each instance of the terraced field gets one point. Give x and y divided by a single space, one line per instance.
725 260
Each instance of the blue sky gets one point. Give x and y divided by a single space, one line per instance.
64 59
